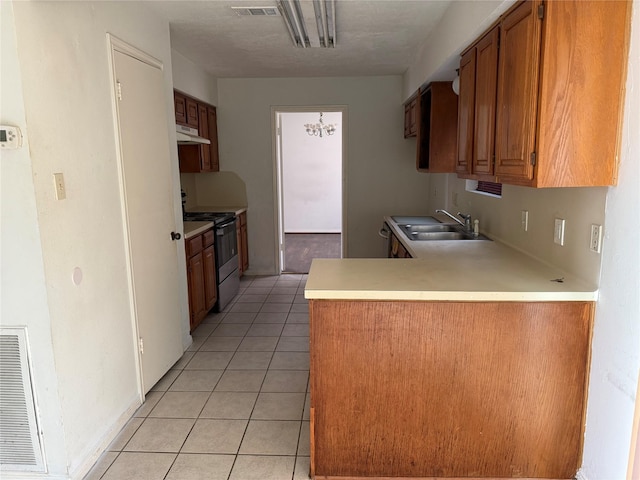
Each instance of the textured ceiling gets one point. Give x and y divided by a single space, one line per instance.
373 37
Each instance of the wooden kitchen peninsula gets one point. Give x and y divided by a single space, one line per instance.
424 371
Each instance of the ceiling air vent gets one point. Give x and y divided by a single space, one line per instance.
256 11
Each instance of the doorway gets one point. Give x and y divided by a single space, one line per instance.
310 185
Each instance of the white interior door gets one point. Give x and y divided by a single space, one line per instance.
148 203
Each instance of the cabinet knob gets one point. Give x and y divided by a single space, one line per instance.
175 236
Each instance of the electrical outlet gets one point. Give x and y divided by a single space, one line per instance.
558 232
455 199
595 244
525 220
61 192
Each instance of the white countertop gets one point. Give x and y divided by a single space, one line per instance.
453 270
191 229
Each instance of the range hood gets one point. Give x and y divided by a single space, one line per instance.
189 136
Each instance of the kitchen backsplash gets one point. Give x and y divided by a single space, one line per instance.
219 189
501 218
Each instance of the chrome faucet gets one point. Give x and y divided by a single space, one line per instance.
467 219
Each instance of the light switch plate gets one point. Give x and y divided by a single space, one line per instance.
61 192
558 232
525 220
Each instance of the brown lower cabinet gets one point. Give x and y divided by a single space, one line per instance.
243 243
396 248
201 276
448 389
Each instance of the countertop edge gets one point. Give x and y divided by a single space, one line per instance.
191 229
451 296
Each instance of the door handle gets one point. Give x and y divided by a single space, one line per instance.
175 236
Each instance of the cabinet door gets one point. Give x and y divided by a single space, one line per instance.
466 112
210 287
192 112
240 248
180 108
203 131
195 274
245 247
407 120
397 250
213 136
485 102
444 125
411 117
518 74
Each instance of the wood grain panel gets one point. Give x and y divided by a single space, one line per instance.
441 144
585 47
448 389
213 137
485 108
518 74
466 112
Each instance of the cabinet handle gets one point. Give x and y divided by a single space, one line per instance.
175 236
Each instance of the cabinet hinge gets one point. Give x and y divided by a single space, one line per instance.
541 11
119 90
533 158
141 345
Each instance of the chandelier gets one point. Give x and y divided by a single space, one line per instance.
320 129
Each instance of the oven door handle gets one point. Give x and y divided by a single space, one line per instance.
223 225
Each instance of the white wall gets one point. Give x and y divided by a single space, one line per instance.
23 293
381 178
64 74
191 79
311 174
615 359
438 57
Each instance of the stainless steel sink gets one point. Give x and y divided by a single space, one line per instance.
416 220
443 227
442 231
438 236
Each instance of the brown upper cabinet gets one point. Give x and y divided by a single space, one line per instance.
197 158
437 126
213 136
466 112
561 68
411 116
477 108
186 109
431 115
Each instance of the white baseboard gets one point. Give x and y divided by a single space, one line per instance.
32 476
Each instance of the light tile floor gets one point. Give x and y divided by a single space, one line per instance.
236 405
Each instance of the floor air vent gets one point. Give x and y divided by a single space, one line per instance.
20 446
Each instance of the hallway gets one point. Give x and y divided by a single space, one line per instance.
302 248
236 405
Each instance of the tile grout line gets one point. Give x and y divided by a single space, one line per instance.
297 285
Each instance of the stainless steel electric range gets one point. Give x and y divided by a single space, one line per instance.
226 250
